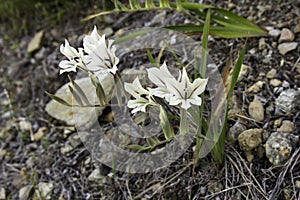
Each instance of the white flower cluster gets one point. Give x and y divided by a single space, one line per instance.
96 56
178 91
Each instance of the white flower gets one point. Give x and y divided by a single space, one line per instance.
184 92
141 95
75 58
159 76
100 56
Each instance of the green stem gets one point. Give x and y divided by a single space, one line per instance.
184 128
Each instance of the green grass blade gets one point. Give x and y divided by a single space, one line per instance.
138 147
152 141
202 74
236 71
79 90
151 58
149 4
58 99
204 44
134 5
75 95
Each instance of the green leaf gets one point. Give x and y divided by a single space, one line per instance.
236 72
224 32
58 99
204 45
138 147
99 89
134 4
151 59
75 95
152 141
79 90
165 124
149 4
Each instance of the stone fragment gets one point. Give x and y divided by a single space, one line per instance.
25 192
2 193
256 110
250 139
271 74
44 190
297 28
277 123
256 87
77 115
288 101
35 43
261 43
39 134
95 175
275 82
286 127
297 184
25 125
278 148
235 131
286 35
286 47
274 32
244 71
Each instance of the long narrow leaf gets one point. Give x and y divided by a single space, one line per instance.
152 141
165 124
79 90
58 99
151 59
75 95
236 71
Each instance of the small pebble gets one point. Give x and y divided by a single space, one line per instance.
261 44
256 87
2 193
274 32
286 47
250 139
271 74
297 183
275 82
297 28
285 84
256 110
278 148
286 127
286 36
277 123
288 101
235 131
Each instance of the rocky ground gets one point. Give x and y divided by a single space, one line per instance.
43 158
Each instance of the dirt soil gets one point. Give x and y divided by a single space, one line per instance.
25 78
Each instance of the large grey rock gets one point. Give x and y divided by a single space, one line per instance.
78 115
288 101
